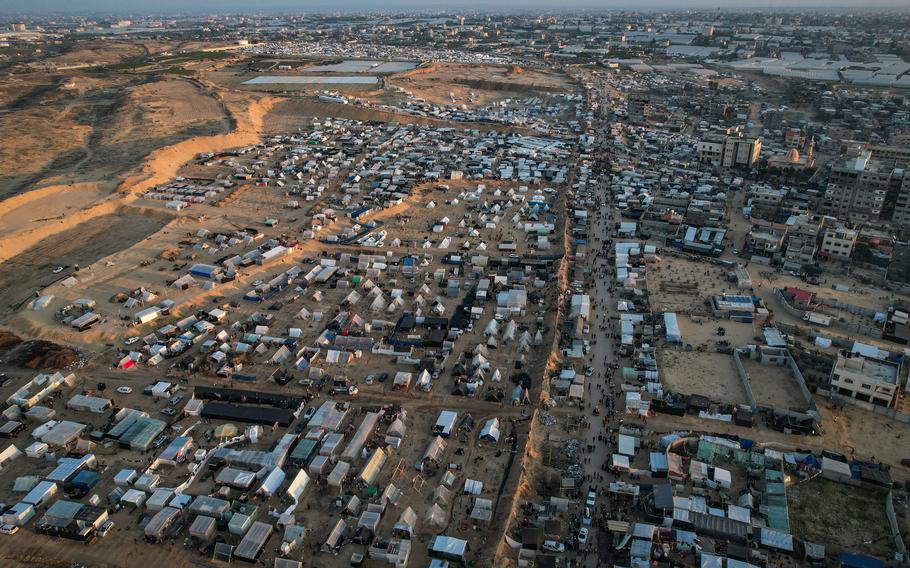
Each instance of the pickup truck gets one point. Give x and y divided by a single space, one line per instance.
344 388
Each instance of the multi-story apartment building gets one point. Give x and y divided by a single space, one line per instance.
865 378
837 243
639 107
729 151
868 184
901 215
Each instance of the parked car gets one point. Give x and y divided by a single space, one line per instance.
309 413
592 499
124 390
9 529
105 528
583 535
55 270
169 411
131 340
553 546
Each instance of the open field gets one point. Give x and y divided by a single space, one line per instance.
773 386
681 285
439 83
708 374
839 516
81 245
702 330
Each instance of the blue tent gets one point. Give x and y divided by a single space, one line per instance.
850 560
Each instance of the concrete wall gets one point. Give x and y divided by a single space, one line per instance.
795 374
892 521
744 380
851 328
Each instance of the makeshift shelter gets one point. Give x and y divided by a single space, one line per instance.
371 470
339 474
490 431
336 536
436 517
473 487
442 495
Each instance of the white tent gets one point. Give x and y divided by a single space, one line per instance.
473 486
490 430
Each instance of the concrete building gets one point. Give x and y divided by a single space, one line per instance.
837 243
865 378
899 269
741 152
901 215
729 151
639 107
799 251
864 181
856 189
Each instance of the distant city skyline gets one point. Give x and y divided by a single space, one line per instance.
176 7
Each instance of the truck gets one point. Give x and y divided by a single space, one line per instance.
817 319
344 386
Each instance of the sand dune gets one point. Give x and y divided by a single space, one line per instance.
161 166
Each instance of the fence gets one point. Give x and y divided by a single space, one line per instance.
892 521
744 380
795 375
852 328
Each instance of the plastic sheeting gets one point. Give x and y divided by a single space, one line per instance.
352 452
339 474
371 470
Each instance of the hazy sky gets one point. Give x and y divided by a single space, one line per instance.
9 7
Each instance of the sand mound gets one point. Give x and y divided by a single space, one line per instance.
44 355
161 166
8 341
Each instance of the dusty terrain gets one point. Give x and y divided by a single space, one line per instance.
839 516
773 386
708 374
439 83
680 285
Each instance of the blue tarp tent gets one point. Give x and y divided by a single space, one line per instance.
850 560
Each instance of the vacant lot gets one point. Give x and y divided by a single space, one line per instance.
840 516
773 386
82 245
680 285
477 85
709 374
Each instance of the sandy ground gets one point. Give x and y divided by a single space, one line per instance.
773 386
680 285
438 83
165 108
700 330
54 202
841 516
160 166
81 245
709 374
101 52
26 148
